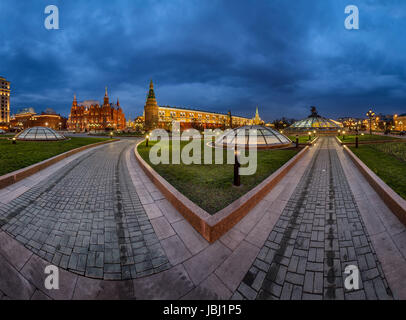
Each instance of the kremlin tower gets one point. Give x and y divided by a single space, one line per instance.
151 109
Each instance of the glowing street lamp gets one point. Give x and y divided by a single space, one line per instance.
310 135
111 135
370 114
14 141
147 140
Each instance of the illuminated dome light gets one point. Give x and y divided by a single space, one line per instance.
266 138
2 131
40 134
315 121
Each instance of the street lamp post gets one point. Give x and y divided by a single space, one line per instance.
147 140
237 181
370 114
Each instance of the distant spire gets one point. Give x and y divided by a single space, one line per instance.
118 103
106 98
74 97
151 93
257 119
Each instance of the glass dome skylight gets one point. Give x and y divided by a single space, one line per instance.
266 138
314 121
40 134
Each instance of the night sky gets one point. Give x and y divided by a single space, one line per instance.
283 56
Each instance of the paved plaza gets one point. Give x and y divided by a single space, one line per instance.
88 219
99 218
319 233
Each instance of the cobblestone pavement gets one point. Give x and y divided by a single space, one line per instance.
319 233
87 218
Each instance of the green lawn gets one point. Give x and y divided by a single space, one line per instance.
24 153
210 186
119 134
388 161
7 135
302 139
365 137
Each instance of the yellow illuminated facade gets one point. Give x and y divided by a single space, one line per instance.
4 103
163 116
400 122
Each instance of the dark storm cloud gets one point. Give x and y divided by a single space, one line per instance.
218 55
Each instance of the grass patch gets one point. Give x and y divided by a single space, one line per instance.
365 137
388 161
210 186
302 139
26 153
117 134
7 135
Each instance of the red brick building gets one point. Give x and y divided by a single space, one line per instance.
91 116
28 118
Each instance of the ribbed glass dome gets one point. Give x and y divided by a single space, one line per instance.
2 131
266 138
314 121
40 134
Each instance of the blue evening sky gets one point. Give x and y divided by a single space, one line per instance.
209 54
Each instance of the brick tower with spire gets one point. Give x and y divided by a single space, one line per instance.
106 99
151 109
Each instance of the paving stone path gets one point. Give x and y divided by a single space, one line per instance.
87 218
319 233
86 215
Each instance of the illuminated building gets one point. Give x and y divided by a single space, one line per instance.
4 103
163 116
400 122
28 118
91 116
